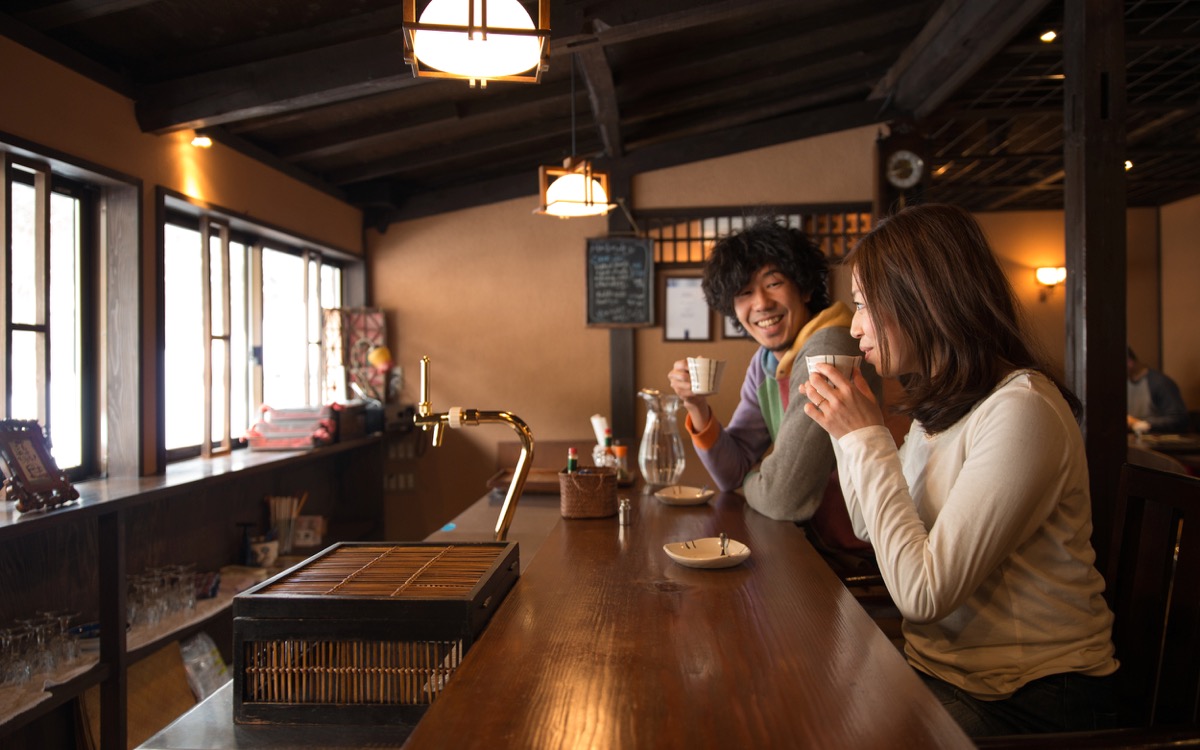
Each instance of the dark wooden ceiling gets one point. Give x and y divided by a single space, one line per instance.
320 89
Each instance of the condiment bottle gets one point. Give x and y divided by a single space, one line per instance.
621 464
572 461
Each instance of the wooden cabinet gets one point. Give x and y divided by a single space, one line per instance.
78 557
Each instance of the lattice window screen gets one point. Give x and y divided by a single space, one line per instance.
683 238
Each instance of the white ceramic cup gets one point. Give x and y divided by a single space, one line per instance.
706 374
845 363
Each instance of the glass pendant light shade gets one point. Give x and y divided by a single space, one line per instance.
576 195
474 39
574 190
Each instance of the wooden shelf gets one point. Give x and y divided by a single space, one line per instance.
29 704
83 553
141 642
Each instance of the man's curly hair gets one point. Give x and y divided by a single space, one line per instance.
737 257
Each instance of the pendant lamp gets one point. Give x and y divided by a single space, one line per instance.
575 189
479 40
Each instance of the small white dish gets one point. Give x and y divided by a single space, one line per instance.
678 494
706 553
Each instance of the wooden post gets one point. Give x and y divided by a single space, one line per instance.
1094 207
622 352
114 698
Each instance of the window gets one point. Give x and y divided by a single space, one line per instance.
683 238
249 335
49 359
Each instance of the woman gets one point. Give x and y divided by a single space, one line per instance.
981 521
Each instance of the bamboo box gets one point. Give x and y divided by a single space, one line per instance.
364 632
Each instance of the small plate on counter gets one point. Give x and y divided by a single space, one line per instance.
706 553
678 494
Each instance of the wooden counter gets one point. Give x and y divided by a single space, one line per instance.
605 642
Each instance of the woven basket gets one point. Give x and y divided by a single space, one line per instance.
588 493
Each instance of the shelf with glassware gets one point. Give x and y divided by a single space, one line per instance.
89 554
403 447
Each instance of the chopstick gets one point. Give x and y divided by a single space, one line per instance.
285 506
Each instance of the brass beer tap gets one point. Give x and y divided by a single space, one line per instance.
457 417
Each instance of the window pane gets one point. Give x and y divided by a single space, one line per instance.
25 346
284 335
314 332
331 286
24 279
218 390
216 282
66 334
239 347
183 358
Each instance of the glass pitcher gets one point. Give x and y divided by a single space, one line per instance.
660 456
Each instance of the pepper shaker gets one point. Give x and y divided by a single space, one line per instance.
623 511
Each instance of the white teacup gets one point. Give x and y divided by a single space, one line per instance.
706 374
845 363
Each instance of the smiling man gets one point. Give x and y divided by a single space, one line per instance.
773 281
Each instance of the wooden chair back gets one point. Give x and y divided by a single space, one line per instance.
1154 591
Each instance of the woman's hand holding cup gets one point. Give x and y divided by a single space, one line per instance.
838 403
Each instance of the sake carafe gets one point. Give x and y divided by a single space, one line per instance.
660 456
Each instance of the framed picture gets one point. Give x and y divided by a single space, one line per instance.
31 477
687 315
731 330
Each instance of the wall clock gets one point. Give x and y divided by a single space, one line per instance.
904 168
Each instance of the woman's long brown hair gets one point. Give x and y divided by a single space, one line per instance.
929 272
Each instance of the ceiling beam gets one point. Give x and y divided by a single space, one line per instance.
752 136
499 145
353 27
431 123
796 86
626 22
958 40
308 79
602 94
73 11
430 203
686 125
367 66
68 57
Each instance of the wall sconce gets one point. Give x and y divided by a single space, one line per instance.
1050 277
479 40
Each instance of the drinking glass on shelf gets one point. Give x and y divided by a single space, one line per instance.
67 644
39 646
14 662
179 587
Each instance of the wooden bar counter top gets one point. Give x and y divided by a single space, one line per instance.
606 642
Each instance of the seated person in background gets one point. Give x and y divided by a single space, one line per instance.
981 521
772 280
1152 400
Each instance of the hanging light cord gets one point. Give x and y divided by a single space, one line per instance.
572 107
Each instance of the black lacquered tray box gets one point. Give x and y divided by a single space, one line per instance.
364 632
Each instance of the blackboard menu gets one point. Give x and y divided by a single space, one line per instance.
620 288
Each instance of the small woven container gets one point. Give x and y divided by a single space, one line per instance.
588 493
